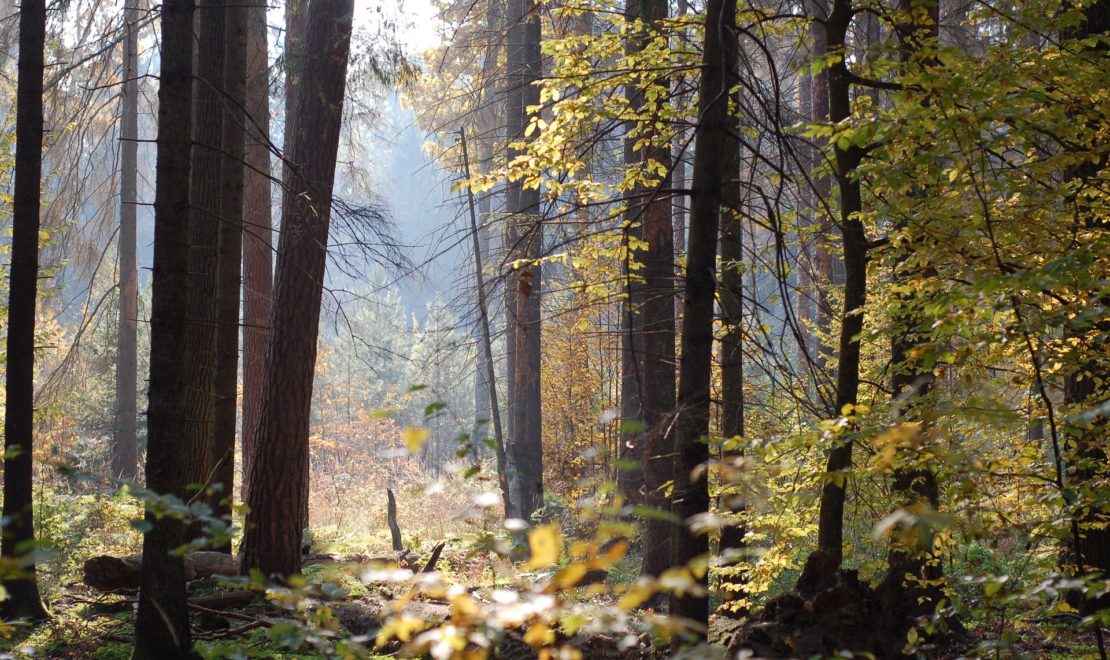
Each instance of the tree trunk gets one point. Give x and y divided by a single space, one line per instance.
823 273
919 594
18 542
230 260
278 490
1085 385
524 65
258 231
204 228
296 19
830 552
711 140
731 354
651 334
125 447
162 622
485 345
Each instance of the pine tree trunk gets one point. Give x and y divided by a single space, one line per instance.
296 23
125 447
162 623
830 552
19 389
651 335
204 227
278 484
711 140
230 260
258 231
523 205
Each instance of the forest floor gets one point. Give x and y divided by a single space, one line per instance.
345 598
346 595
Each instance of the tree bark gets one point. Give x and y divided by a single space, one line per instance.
272 541
1085 384
524 64
162 622
230 241
824 273
258 231
485 345
731 351
296 23
18 542
912 486
650 335
201 308
125 447
691 485
830 552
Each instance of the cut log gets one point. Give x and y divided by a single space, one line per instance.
107 573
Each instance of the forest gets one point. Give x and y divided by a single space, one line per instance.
555 329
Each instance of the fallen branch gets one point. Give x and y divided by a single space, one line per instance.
232 632
430 565
224 613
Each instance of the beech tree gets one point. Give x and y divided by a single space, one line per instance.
826 560
272 540
18 543
711 162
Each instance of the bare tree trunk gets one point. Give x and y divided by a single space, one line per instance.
1086 383
258 231
691 485
18 542
650 324
824 274
485 346
125 447
162 622
272 542
524 69
296 19
830 552
204 227
731 352
230 260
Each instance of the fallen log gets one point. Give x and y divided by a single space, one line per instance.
224 600
107 573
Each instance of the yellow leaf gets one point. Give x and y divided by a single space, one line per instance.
415 437
546 543
569 576
637 595
538 634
